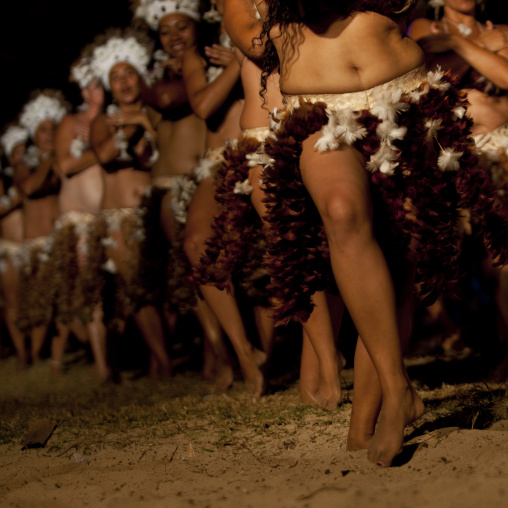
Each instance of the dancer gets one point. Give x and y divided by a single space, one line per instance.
477 52
359 118
39 183
181 142
211 75
123 140
79 203
319 376
13 141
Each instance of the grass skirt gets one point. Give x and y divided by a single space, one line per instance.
413 134
37 287
236 249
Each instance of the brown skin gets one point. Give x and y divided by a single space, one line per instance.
124 188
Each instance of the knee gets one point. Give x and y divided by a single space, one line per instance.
345 216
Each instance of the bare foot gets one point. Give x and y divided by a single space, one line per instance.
359 439
253 372
326 396
396 412
56 369
208 369
224 377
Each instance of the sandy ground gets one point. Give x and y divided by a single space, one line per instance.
179 443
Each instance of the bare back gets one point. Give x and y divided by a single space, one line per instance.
256 111
344 55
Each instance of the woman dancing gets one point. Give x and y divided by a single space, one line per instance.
476 50
13 141
181 141
123 140
343 121
39 183
211 74
79 203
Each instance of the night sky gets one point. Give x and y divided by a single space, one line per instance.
37 47
39 40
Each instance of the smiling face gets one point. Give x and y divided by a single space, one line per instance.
125 83
44 135
177 32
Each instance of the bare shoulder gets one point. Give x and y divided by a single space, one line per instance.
419 27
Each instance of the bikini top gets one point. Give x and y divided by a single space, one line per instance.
128 158
50 187
177 113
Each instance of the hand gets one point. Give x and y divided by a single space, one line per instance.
128 118
219 55
492 38
83 130
174 65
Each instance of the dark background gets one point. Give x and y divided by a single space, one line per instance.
39 40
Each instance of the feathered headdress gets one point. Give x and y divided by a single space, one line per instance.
47 105
119 47
13 136
152 11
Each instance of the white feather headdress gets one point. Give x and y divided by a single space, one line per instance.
116 49
13 136
81 73
43 107
152 11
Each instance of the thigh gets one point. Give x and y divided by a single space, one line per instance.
202 209
335 176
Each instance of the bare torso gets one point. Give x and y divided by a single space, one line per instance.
11 226
488 112
82 191
181 144
229 127
345 55
40 216
124 188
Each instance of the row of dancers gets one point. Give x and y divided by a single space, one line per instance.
307 155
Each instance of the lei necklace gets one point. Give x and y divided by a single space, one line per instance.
463 29
121 142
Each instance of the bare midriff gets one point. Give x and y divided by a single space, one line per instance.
181 144
347 55
82 192
124 188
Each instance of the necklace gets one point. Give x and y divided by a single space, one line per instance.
463 29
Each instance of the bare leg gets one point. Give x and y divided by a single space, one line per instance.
37 338
319 331
223 304
216 356
147 318
266 328
340 191
10 284
79 330
97 334
58 345
149 323
309 371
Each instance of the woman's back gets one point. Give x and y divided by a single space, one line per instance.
338 55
